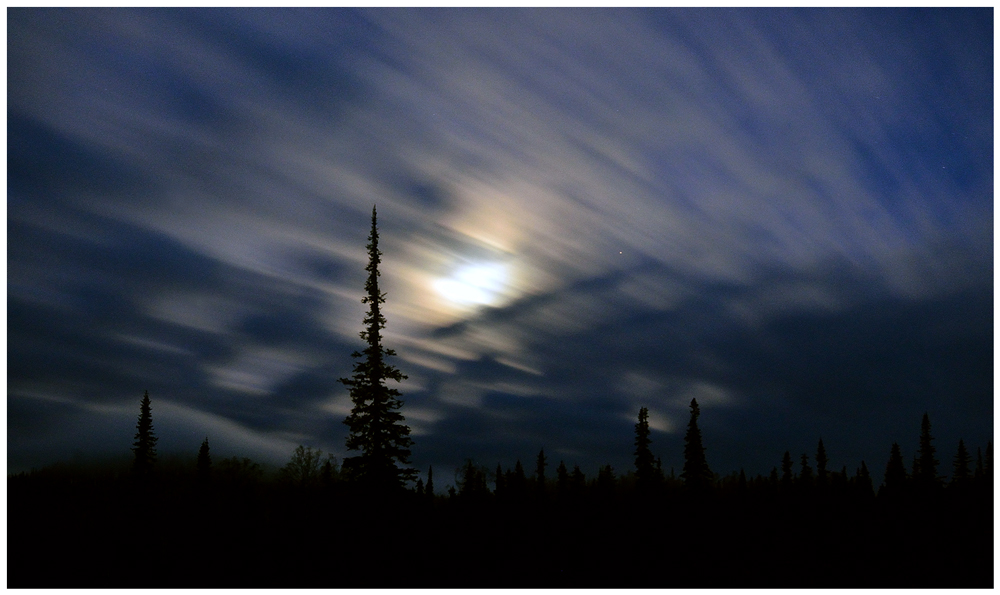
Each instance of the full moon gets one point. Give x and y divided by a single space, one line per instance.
474 284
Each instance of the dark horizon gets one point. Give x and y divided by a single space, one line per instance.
784 213
225 523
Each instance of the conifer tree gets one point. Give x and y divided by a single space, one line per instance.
562 480
895 471
540 473
430 483
926 468
204 465
961 466
472 486
518 480
376 424
606 482
806 474
864 482
786 471
696 473
644 469
329 471
144 446
821 461
578 482
500 490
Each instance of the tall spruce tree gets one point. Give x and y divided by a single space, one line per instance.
144 446
472 486
696 474
961 465
517 482
376 424
925 472
500 490
863 483
821 461
645 470
786 471
562 481
805 473
895 472
204 465
577 483
540 474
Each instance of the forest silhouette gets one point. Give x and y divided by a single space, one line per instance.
194 522
199 523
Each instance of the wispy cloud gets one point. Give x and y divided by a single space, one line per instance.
189 193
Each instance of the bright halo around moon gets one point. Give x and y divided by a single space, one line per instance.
479 284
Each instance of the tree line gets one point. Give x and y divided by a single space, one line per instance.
382 439
371 522
801 476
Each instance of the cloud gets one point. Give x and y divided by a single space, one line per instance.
772 210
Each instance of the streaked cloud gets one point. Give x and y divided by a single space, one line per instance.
676 197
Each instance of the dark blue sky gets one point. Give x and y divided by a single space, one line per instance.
786 214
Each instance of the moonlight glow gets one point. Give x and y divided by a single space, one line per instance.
474 284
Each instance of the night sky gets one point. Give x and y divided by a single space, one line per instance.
786 214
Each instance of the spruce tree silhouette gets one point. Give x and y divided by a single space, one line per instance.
837 482
562 481
960 475
925 473
540 474
821 461
430 483
786 472
376 424
895 473
328 472
472 485
204 465
144 446
864 482
696 474
645 471
605 484
578 483
806 473
500 490
518 481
